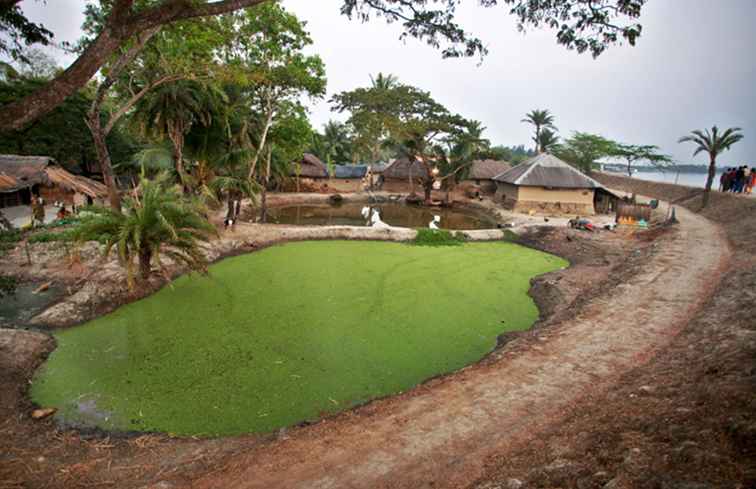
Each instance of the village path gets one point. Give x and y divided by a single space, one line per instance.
441 433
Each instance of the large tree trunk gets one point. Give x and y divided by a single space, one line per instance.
709 179
145 258
428 188
266 181
103 156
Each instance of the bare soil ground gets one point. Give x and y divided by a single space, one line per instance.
640 374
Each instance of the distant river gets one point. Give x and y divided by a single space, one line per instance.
689 179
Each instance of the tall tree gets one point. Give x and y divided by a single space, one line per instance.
583 150
633 154
157 56
584 25
540 120
409 117
713 143
269 46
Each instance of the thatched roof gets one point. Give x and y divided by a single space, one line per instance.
401 168
546 170
487 169
310 167
349 171
76 183
19 172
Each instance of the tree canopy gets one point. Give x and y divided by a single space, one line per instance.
584 25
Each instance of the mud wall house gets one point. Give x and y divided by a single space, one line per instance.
309 174
547 184
24 176
347 178
403 176
482 173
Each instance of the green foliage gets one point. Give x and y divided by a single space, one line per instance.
438 237
633 154
61 134
713 143
16 31
542 121
51 237
406 116
8 240
581 25
157 219
512 154
583 150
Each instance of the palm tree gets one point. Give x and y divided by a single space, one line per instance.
540 119
336 142
712 143
547 140
173 109
384 82
157 220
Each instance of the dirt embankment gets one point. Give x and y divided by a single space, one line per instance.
685 420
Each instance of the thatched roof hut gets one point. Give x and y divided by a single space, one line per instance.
545 183
487 169
309 167
349 171
20 173
547 171
401 168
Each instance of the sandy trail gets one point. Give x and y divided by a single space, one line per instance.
442 434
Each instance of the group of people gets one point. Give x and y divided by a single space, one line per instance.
38 211
739 180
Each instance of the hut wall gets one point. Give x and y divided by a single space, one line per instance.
486 186
556 196
506 193
345 185
399 186
54 193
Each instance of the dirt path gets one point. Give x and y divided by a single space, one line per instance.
442 434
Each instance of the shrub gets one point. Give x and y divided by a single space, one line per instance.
438 237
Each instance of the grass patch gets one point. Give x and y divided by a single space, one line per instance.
51 236
438 237
8 240
288 334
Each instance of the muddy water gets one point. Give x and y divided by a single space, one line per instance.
18 308
399 215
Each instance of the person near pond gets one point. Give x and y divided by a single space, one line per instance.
723 181
38 211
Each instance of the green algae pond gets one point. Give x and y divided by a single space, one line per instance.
289 334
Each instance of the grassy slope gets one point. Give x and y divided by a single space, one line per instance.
288 333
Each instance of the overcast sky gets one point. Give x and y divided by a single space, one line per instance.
693 67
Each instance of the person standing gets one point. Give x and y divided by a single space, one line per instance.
38 211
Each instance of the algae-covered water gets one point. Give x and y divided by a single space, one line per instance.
288 334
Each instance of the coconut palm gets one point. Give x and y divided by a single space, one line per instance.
170 112
384 82
713 143
540 119
547 140
157 219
